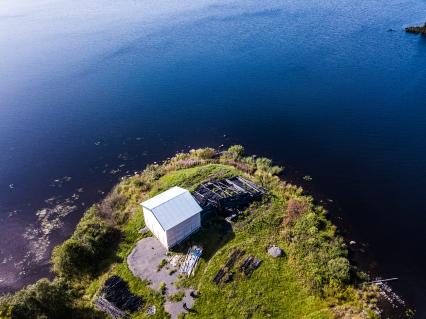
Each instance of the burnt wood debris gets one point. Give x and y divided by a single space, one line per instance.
115 298
248 266
227 193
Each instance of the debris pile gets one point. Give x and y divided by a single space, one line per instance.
248 266
225 270
391 296
115 298
226 193
104 305
236 254
191 260
219 276
175 260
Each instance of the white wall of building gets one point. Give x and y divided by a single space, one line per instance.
174 235
183 230
154 226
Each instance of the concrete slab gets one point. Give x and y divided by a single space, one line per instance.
175 308
143 262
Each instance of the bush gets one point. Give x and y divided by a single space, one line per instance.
339 269
236 151
295 208
180 157
44 299
72 257
319 253
110 207
153 172
93 241
163 288
264 164
204 153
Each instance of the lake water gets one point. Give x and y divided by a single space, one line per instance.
90 91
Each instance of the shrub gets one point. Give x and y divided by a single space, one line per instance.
153 172
204 153
339 269
93 241
163 288
250 161
71 257
236 151
180 157
44 299
110 207
295 208
319 253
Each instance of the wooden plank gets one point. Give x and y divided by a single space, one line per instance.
249 184
236 186
210 190
378 281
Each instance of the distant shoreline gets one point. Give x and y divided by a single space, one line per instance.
315 254
417 29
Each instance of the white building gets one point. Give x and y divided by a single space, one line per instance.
172 215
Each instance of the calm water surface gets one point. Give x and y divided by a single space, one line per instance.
90 91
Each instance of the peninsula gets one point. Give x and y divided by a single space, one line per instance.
279 256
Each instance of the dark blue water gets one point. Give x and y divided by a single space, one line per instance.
92 91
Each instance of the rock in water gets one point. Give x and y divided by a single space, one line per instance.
275 251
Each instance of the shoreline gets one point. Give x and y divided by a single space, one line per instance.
360 252
421 29
198 160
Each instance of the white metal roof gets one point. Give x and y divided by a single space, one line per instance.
172 207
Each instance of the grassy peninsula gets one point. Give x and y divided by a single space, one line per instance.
314 278
417 29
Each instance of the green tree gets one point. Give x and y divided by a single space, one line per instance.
339 269
44 299
93 241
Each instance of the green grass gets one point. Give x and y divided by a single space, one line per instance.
192 177
279 288
177 296
274 289
189 178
